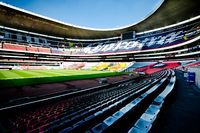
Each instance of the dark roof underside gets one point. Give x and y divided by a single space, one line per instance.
170 12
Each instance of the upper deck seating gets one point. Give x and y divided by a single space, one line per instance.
152 41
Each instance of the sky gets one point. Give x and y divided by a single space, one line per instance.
100 14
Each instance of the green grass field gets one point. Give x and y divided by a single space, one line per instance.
16 78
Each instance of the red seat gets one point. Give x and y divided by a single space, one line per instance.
33 49
14 46
45 50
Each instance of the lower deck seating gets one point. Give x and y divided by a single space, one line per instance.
14 46
109 121
56 51
45 50
80 112
157 67
32 49
101 66
145 122
118 67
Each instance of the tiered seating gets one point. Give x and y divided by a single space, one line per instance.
56 51
141 64
149 71
157 67
161 66
73 65
32 49
89 65
188 64
83 111
145 122
143 41
118 67
149 41
33 67
14 46
101 66
145 68
193 64
45 50
171 65
77 66
105 66
67 51
109 121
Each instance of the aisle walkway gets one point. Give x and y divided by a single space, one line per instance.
182 114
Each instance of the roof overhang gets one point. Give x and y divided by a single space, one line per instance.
167 13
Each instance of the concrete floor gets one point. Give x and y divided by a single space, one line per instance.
181 112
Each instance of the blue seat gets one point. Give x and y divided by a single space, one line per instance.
136 101
55 122
91 109
52 127
158 101
83 113
153 110
127 108
143 95
78 123
112 105
105 109
66 121
143 125
110 120
148 117
118 114
98 113
89 117
88 131
73 113
136 130
66 130
99 128
75 117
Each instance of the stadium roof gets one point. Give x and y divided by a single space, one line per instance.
169 12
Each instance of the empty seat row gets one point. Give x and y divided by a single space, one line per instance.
100 127
70 113
144 124
14 46
155 41
44 111
98 110
19 47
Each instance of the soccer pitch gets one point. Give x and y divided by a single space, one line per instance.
16 78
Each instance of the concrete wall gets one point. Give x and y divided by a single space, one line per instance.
197 75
